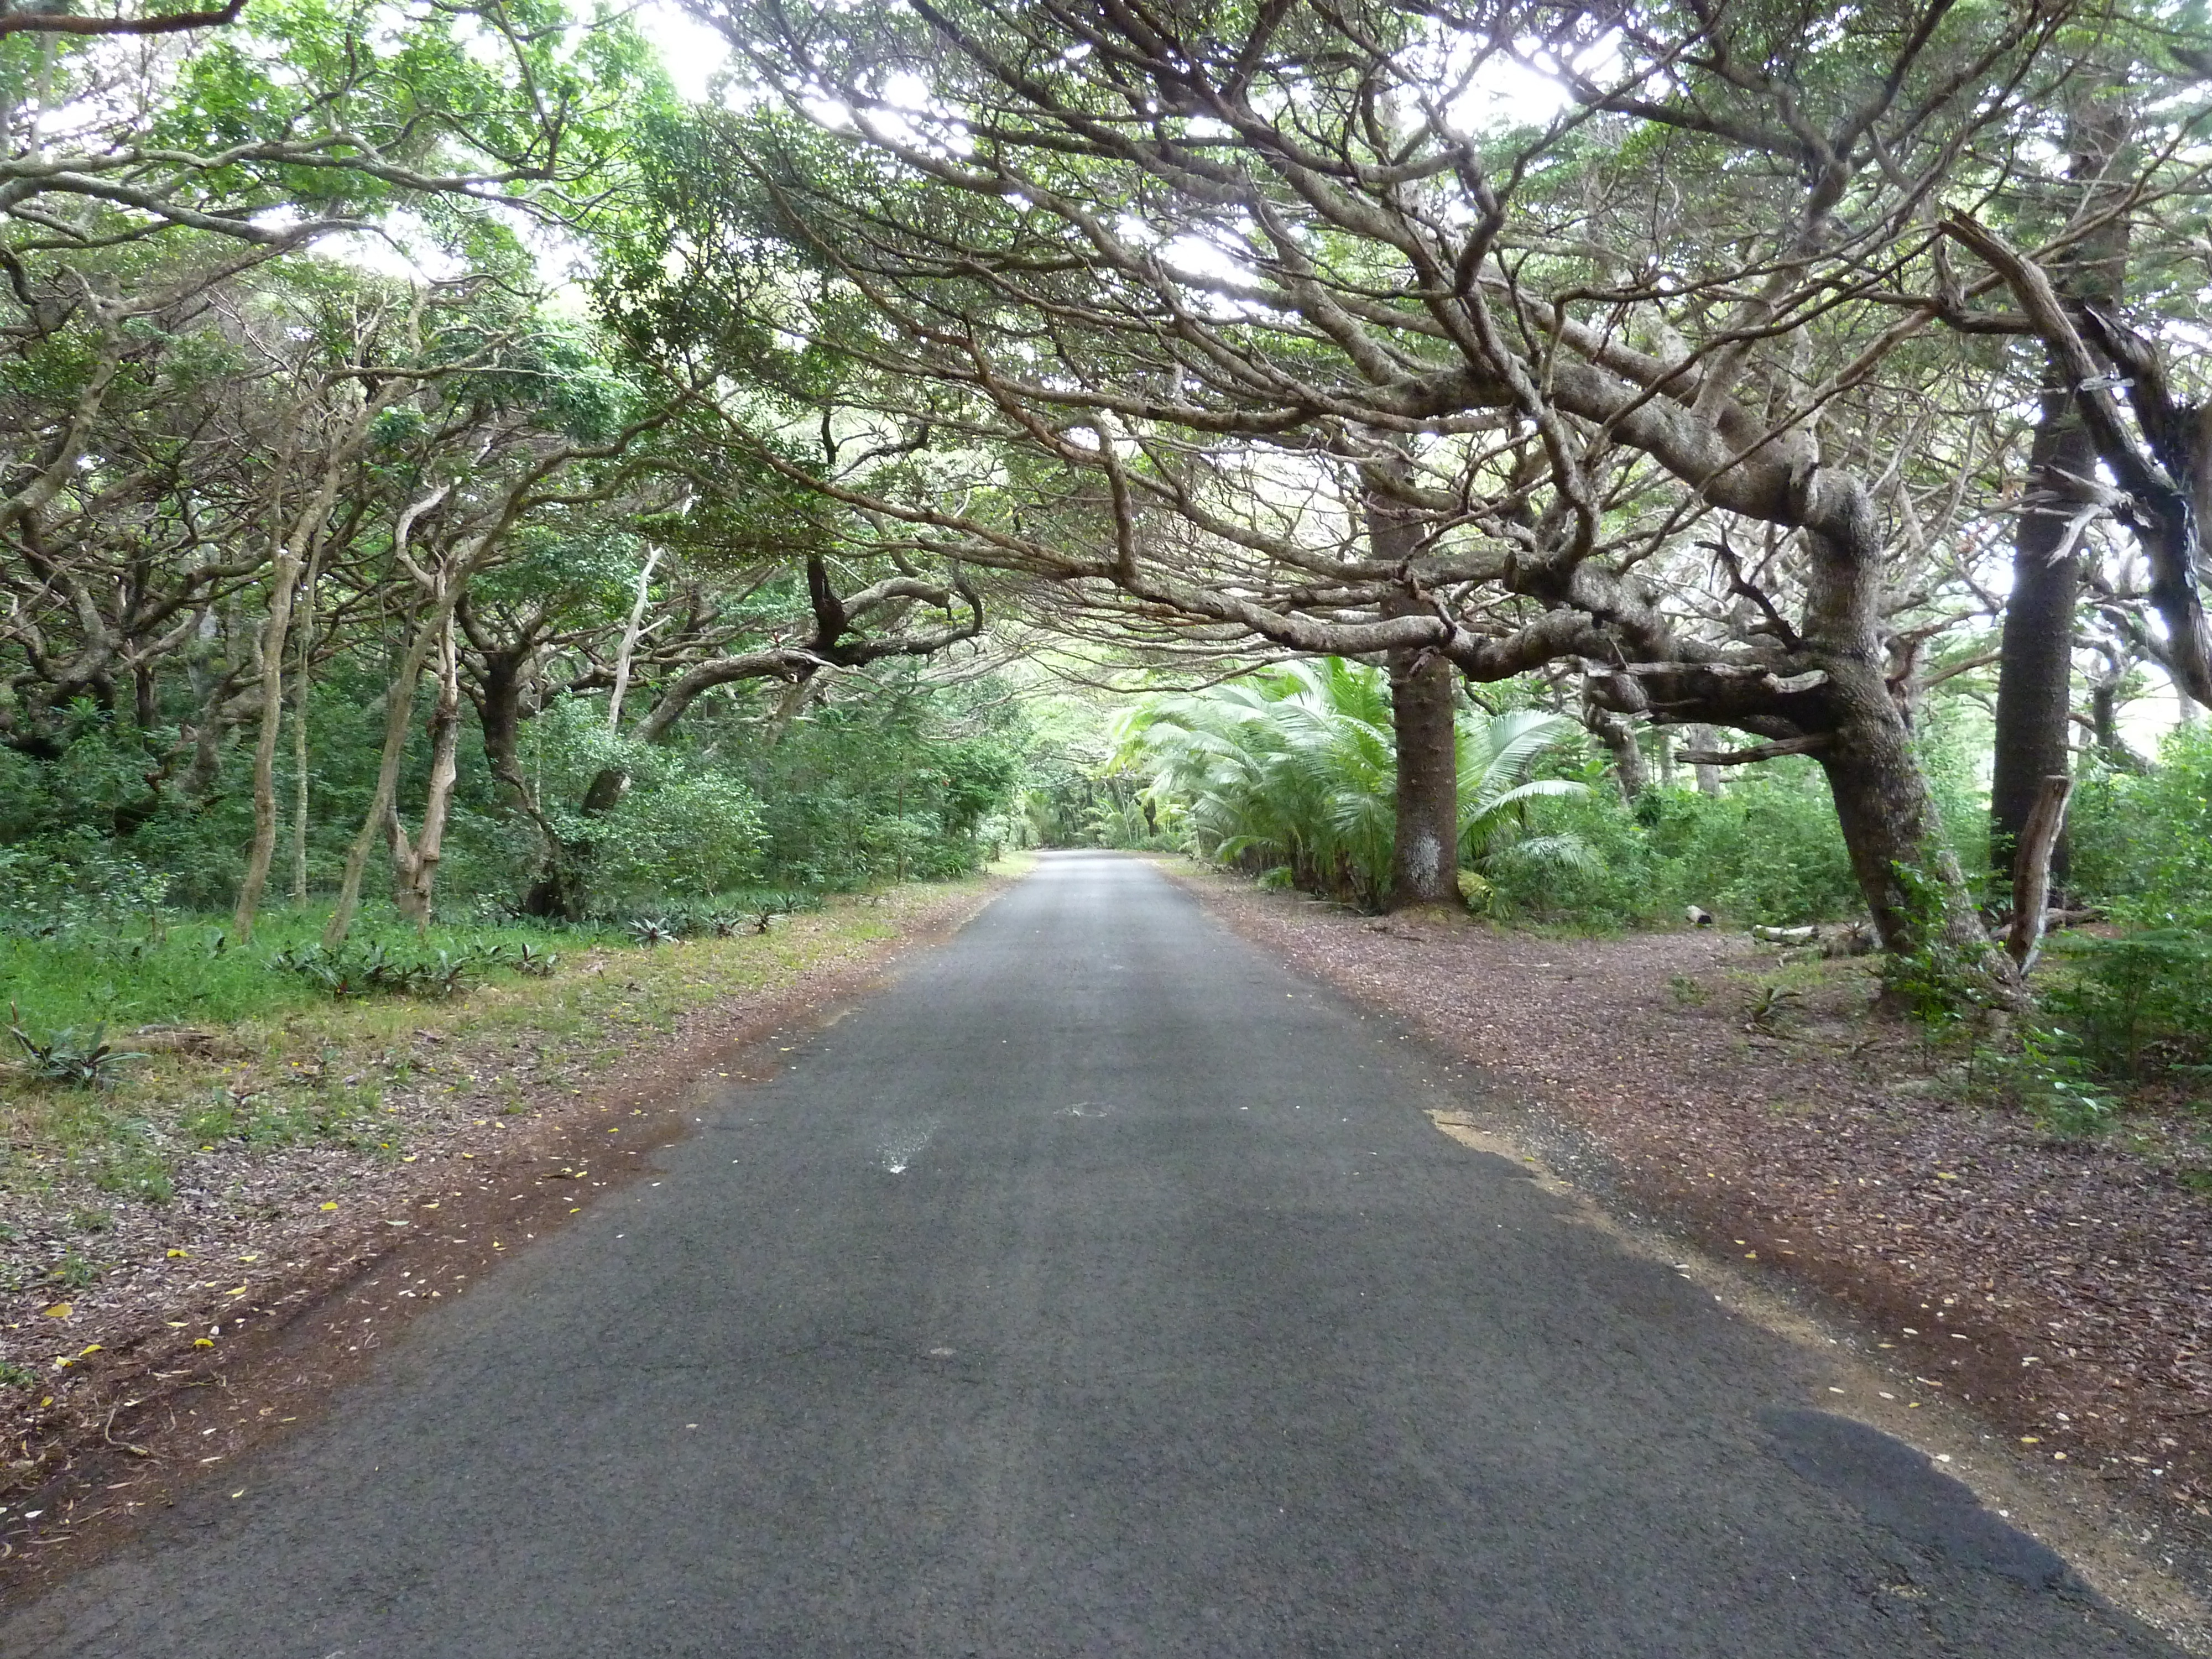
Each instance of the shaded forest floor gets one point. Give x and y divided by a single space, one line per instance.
2061 1289
143 1344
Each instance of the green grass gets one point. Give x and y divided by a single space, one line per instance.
193 973
288 1065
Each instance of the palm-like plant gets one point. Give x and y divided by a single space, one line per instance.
1495 756
1295 769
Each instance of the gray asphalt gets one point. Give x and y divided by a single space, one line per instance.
1097 1288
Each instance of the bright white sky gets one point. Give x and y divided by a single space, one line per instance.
690 51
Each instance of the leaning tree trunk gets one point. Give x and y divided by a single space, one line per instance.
1913 886
1914 890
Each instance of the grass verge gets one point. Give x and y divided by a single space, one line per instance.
149 1223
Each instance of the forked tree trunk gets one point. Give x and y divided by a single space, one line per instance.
275 632
415 866
1618 733
436 625
399 716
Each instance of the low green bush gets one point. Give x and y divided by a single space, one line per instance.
1767 851
2140 1003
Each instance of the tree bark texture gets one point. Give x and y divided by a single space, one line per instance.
415 866
399 715
275 635
2035 663
301 688
1883 805
2035 666
1618 733
1425 849
1425 844
2030 877
1703 737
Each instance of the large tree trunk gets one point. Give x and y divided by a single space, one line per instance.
1424 847
1618 733
557 890
1913 886
1914 890
1424 850
2035 665
1703 738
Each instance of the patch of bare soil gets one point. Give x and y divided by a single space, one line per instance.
2062 1290
267 1300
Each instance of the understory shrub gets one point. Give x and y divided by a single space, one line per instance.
2140 1003
1768 850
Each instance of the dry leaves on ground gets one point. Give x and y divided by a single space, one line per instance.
2062 1287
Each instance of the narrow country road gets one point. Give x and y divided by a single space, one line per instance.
1098 1288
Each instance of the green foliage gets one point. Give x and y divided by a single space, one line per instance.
1766 851
684 831
2137 1003
1939 983
913 782
366 970
1290 768
69 1058
2140 1004
189 972
1296 768
2142 842
2045 1073
71 881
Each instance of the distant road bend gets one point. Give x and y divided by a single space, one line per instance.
1097 1288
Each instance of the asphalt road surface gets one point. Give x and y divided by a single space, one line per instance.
1097 1288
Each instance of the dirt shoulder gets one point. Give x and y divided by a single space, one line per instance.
458 1132
2060 1291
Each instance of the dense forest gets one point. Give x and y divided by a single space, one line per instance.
1591 465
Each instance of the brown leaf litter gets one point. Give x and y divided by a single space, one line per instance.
2060 1289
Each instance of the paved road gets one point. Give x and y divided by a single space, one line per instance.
1098 1289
